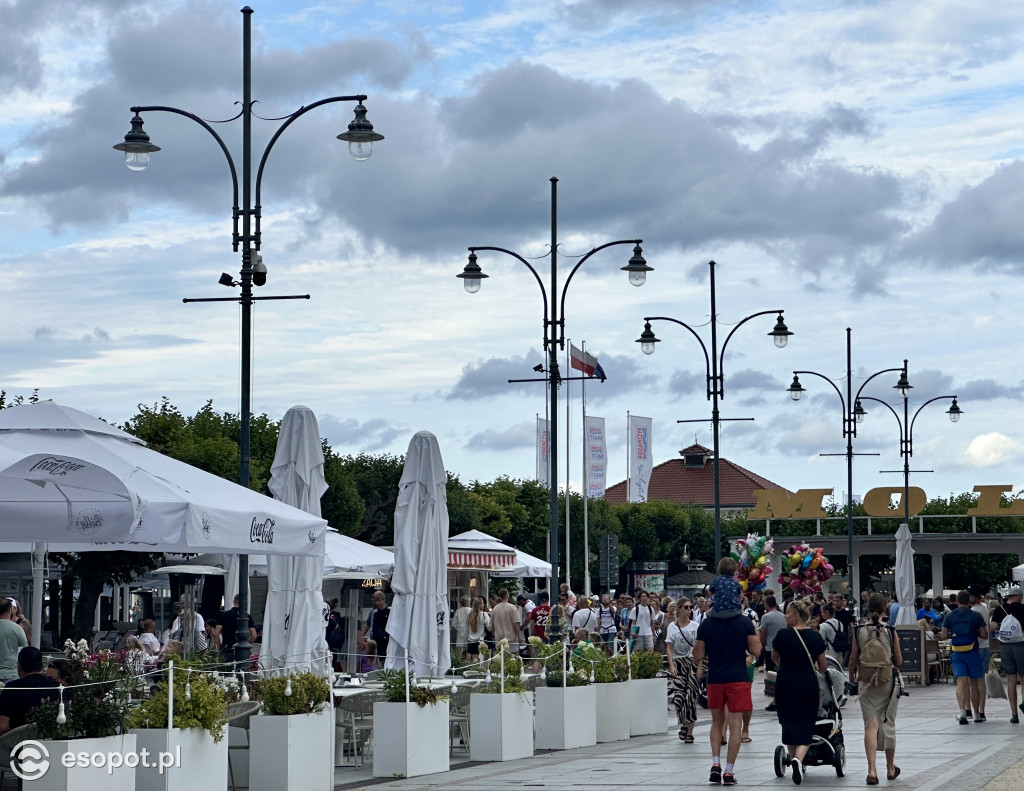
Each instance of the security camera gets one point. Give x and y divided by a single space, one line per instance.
538 367
259 272
226 279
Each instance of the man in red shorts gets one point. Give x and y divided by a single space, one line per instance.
725 643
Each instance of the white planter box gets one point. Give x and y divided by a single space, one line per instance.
500 726
291 752
566 717
612 705
63 778
648 706
204 762
410 740
239 758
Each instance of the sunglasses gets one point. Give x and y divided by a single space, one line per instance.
687 607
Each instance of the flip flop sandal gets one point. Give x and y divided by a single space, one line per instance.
688 739
872 780
745 740
894 775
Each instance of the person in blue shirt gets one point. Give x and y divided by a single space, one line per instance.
964 628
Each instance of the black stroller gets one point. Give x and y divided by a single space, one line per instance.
827 748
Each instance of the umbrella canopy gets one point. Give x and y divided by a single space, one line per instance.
525 565
1018 573
904 578
78 484
345 558
418 624
294 622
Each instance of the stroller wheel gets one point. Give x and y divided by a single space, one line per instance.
781 761
840 760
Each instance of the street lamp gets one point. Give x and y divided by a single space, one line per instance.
137 148
853 413
715 377
554 339
906 426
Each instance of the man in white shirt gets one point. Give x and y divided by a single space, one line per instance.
642 619
584 617
525 608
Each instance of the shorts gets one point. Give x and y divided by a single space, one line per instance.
1012 657
986 655
735 696
644 642
966 663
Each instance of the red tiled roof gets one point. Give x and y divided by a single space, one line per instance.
673 480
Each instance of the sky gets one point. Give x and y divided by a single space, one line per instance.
857 164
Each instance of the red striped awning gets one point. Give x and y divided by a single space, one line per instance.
480 560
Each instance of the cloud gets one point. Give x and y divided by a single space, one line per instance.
981 227
351 435
521 435
988 389
490 377
686 382
749 379
992 449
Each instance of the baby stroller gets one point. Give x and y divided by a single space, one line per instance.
827 748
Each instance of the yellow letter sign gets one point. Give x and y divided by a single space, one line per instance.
776 504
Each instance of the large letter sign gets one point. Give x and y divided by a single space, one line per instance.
877 501
777 504
990 502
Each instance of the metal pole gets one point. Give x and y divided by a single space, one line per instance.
907 450
713 385
553 377
586 489
850 427
242 647
568 459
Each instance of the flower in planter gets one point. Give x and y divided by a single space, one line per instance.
95 700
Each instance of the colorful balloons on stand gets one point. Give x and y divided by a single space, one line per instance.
753 555
804 569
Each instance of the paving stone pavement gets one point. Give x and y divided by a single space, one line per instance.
933 751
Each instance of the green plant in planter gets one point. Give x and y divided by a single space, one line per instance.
310 694
513 667
574 679
95 699
394 690
606 671
548 654
646 664
205 706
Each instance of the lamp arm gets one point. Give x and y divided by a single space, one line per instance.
835 387
227 154
910 431
693 332
565 286
288 122
536 276
894 413
721 356
876 373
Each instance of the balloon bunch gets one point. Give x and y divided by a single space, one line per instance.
752 554
804 569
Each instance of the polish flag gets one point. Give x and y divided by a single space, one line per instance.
587 363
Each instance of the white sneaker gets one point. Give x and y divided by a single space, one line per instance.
798 771
963 716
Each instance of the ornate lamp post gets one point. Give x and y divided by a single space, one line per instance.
553 340
137 148
715 377
853 413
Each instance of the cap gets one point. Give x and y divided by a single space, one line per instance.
1014 591
521 597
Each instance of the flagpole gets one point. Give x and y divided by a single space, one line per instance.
586 489
629 482
568 457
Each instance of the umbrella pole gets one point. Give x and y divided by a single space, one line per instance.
406 652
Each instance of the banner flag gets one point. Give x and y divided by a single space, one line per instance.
543 460
640 464
585 362
597 457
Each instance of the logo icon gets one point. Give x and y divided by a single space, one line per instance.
30 760
88 520
207 526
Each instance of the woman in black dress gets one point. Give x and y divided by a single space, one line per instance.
798 651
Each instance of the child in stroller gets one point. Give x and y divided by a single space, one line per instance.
827 748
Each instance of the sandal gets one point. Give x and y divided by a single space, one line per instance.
688 739
872 780
894 775
745 740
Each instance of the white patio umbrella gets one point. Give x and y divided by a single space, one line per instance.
904 578
418 625
1018 573
345 558
526 565
74 483
294 621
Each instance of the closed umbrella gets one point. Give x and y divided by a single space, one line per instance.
907 615
294 619
418 625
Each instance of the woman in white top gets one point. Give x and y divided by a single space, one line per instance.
148 637
683 686
477 623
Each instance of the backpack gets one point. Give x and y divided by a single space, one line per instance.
875 665
841 641
1010 630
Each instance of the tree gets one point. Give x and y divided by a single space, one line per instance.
93 570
